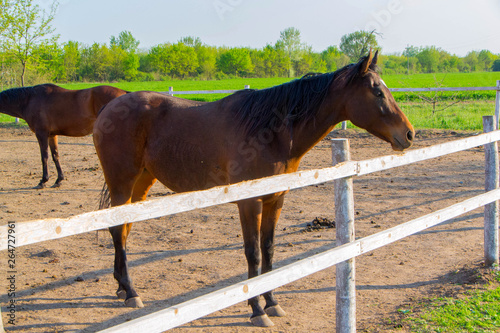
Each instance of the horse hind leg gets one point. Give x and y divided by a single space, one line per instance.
125 290
42 138
120 194
121 270
55 157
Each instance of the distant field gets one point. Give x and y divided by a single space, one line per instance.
480 79
464 115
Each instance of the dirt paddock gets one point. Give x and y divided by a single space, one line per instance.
67 285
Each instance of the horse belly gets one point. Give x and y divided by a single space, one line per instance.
184 166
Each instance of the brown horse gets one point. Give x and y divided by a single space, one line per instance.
51 110
146 136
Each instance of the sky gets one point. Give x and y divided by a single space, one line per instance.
456 26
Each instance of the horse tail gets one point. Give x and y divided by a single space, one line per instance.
105 199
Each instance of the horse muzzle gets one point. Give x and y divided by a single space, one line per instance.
401 142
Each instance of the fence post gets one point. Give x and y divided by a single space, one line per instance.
171 91
344 219
497 105
491 182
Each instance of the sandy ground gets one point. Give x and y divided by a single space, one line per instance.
67 285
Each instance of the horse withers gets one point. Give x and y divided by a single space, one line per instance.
142 137
51 110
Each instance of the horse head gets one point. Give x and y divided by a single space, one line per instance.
370 105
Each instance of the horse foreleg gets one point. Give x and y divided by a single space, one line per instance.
121 272
270 216
44 151
55 157
250 218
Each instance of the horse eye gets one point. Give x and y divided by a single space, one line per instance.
379 93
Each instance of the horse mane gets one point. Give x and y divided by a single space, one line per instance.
20 96
294 102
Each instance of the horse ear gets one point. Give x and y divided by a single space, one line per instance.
365 65
375 59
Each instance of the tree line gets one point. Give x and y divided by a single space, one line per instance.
30 51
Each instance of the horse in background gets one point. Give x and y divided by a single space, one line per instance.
51 110
251 134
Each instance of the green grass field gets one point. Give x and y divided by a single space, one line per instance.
466 114
475 311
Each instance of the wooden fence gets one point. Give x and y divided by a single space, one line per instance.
41 230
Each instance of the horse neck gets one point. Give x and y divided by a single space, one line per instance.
306 136
11 110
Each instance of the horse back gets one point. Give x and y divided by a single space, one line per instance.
186 145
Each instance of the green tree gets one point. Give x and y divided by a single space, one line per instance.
71 60
291 45
334 58
393 64
184 60
269 62
445 62
125 59
177 60
496 66
357 44
309 62
115 67
472 61
130 66
207 61
50 62
158 59
429 59
95 63
28 29
194 42
4 5
235 61
411 53
125 41
452 63
485 59
206 55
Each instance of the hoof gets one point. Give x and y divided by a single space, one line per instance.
134 302
275 311
56 185
122 294
261 321
39 186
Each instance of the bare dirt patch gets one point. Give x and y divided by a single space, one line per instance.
67 285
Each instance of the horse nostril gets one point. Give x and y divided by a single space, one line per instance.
410 135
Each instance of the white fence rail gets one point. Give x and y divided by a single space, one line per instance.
41 230
202 92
